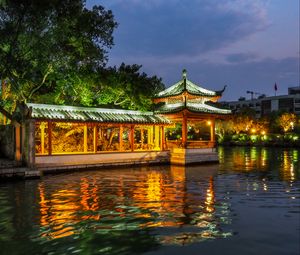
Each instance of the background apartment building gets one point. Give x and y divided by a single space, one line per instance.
264 105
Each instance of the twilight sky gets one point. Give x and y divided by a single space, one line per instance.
246 44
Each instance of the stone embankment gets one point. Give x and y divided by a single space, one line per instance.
14 169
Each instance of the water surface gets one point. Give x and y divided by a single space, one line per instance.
247 204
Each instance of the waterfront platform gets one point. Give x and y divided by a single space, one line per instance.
72 162
182 156
68 162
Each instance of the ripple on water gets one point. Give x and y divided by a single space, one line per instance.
127 211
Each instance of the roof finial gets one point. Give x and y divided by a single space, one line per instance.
184 73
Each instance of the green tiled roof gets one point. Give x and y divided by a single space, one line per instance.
87 114
190 87
193 107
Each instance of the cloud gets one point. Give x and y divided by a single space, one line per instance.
256 75
241 57
218 41
173 27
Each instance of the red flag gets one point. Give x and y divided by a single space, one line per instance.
275 87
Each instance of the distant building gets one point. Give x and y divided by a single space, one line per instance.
294 90
265 105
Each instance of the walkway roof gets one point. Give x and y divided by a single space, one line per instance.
87 114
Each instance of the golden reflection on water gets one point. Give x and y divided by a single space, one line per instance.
264 157
161 194
89 198
159 197
56 212
248 159
287 168
210 196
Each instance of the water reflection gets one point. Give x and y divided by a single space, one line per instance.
262 159
288 171
132 200
210 196
131 211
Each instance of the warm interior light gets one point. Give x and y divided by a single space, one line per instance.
209 122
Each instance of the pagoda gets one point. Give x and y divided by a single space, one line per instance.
193 110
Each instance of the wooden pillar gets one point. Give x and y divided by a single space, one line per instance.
42 128
132 137
162 138
156 138
18 142
49 138
121 144
142 138
31 143
95 138
212 132
23 140
184 131
85 147
149 136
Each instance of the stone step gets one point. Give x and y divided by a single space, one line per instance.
23 172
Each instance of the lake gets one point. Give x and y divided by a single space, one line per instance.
247 204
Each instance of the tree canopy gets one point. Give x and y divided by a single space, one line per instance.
46 45
126 87
123 87
55 51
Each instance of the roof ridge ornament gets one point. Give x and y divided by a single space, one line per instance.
184 73
220 92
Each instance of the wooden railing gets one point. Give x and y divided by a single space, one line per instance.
190 144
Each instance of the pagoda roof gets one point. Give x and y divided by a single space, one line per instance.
190 87
206 108
88 114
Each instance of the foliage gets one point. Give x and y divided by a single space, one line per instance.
125 87
285 140
224 129
243 121
122 87
244 129
287 121
46 45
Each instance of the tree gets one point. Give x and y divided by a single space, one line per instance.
224 128
126 87
287 121
48 44
243 120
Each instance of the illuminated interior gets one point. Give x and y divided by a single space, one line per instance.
72 138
